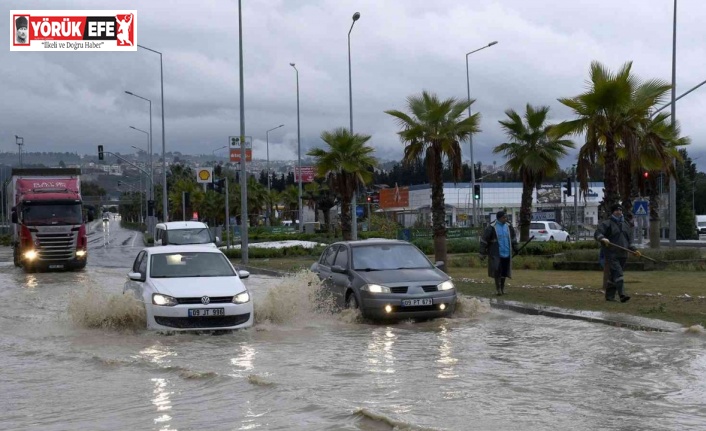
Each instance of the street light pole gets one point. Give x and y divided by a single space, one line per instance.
19 140
146 192
267 137
299 154
151 191
672 179
243 172
354 200
165 201
149 218
470 136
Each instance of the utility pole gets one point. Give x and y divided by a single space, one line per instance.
227 217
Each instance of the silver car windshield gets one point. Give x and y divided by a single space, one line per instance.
189 236
190 264
380 257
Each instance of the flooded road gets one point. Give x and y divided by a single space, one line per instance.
66 367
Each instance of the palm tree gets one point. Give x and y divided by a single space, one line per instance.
290 200
346 166
610 114
532 153
433 131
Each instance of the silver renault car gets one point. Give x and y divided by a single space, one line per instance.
386 280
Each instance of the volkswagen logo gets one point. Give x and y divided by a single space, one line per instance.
205 300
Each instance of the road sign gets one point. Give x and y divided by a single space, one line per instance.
641 208
307 174
204 175
359 211
235 148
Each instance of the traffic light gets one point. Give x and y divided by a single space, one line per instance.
187 200
646 175
219 186
100 152
567 186
476 192
370 199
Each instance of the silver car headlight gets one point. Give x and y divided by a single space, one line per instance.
166 300
241 298
375 288
447 285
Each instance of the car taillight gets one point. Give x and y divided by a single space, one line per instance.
25 237
543 231
82 240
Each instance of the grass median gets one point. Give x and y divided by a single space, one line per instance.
671 295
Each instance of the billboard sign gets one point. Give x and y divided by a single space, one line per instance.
549 194
395 197
235 148
307 174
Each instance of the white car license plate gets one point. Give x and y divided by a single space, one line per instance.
414 302
206 312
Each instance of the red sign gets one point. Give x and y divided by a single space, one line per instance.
396 197
194 216
307 174
235 155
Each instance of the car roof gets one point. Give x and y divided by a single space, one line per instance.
171 225
187 248
373 241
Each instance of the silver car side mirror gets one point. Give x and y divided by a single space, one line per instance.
243 273
135 276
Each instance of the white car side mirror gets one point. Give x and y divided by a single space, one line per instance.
243 273
135 276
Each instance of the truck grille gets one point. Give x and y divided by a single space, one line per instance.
56 246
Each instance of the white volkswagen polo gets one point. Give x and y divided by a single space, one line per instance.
190 288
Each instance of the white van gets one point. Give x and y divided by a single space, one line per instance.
183 233
701 224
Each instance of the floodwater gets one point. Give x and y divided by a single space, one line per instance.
74 356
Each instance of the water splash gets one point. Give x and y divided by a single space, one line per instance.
95 308
295 298
695 329
470 307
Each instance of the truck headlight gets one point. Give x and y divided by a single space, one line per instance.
80 253
30 255
241 298
159 299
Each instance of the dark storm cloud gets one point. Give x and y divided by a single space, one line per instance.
71 101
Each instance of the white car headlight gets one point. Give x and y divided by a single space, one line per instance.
159 299
447 285
241 298
375 288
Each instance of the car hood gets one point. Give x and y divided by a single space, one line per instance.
198 286
425 276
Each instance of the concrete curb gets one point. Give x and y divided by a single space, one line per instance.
616 320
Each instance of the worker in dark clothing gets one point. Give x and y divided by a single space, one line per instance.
615 230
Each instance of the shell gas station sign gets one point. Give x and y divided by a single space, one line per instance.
204 175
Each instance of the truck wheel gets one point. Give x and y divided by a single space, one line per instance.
16 256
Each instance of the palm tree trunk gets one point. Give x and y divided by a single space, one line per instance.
654 214
346 218
610 193
438 212
526 211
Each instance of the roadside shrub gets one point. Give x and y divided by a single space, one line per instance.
5 240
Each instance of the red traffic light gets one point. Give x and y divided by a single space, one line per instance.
646 175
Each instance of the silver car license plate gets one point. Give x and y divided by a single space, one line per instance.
206 312
416 302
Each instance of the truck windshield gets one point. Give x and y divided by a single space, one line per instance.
51 213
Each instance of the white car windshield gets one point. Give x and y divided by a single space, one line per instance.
189 236
378 257
190 264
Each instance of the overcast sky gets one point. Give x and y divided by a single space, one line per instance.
72 101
